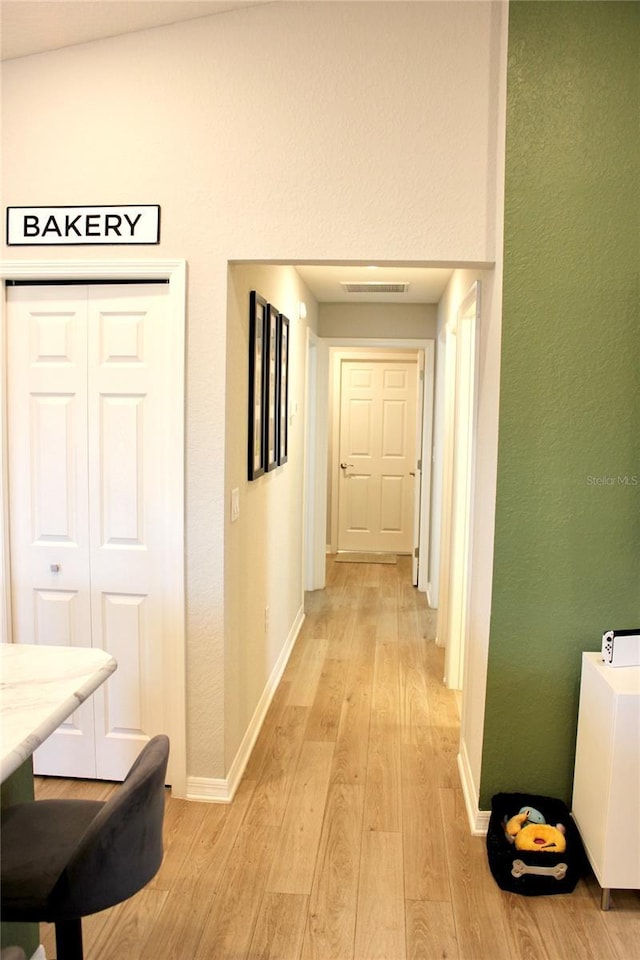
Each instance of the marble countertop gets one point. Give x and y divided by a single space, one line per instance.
40 686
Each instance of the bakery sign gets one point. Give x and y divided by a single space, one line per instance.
75 226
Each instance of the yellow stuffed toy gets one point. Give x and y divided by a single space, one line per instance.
529 831
543 837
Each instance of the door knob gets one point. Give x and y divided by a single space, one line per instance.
55 568
345 465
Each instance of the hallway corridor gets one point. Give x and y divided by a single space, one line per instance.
348 838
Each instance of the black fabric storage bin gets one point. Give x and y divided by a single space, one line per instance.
510 866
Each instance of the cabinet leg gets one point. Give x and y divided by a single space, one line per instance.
605 902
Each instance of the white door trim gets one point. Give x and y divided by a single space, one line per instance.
424 535
417 494
175 272
327 347
342 539
461 405
315 501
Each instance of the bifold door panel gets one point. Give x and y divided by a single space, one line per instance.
87 400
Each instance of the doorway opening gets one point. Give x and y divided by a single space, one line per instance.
380 402
371 315
444 506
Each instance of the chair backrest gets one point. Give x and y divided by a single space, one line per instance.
122 848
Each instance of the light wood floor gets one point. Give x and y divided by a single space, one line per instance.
348 838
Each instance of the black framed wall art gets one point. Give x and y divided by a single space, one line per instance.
271 389
257 360
283 389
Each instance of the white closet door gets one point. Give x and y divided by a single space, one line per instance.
88 456
127 466
48 488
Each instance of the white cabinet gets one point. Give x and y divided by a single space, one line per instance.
606 787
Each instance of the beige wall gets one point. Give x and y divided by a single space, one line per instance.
304 131
410 321
263 548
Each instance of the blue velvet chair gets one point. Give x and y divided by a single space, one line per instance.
65 859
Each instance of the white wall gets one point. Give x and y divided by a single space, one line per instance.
458 287
303 131
483 508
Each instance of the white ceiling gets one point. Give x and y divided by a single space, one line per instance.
35 26
426 284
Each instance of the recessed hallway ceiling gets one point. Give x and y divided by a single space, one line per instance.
425 284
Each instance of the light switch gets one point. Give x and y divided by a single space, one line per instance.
235 504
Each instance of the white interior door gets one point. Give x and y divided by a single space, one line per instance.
88 506
377 455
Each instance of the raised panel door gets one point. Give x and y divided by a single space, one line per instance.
377 455
88 503
49 509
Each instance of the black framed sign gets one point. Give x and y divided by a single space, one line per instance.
271 390
257 354
283 389
83 225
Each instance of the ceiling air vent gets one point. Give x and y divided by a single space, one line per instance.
374 287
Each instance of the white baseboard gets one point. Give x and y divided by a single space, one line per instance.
209 790
222 790
478 819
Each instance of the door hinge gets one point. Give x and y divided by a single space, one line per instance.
416 553
419 464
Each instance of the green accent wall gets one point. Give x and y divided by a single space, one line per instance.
567 539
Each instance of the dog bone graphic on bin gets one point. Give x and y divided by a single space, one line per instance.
520 868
